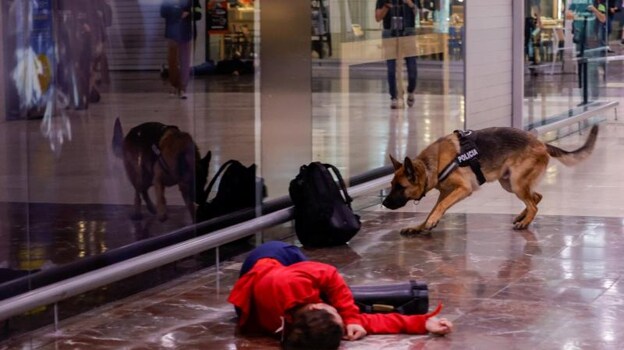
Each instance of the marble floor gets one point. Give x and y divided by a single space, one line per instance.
557 285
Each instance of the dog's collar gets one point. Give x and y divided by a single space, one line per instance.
424 192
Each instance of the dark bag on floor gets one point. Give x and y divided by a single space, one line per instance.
323 214
407 298
237 190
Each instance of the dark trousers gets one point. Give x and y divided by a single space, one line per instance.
410 64
285 253
179 62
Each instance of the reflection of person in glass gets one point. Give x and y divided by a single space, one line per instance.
532 25
589 25
614 6
180 30
399 19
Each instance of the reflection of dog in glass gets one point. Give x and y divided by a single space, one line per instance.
163 156
514 157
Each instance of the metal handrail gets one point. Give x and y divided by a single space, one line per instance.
599 110
56 292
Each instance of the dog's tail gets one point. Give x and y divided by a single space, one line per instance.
117 142
572 158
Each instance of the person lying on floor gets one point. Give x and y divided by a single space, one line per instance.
309 304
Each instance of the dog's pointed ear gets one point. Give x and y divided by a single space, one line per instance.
395 163
117 143
206 160
409 170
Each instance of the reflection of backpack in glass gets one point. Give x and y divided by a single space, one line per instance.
237 190
323 214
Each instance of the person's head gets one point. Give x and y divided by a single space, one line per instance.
314 326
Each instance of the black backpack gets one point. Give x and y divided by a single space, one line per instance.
237 190
323 214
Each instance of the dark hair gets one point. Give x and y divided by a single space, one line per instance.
313 329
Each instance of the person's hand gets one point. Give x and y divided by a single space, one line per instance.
569 15
354 332
185 14
439 326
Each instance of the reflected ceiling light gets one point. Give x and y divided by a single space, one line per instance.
168 340
608 336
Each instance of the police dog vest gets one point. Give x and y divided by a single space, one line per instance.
468 156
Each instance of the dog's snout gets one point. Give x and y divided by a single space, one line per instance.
394 202
385 202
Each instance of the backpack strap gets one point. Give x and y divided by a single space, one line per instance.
214 178
343 187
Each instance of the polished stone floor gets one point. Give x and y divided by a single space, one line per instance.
557 285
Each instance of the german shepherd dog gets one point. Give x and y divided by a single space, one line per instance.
514 157
159 155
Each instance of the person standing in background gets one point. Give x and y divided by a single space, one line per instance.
532 25
399 19
180 31
614 7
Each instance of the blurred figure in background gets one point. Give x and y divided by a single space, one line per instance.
399 19
180 31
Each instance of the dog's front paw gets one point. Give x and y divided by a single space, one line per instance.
151 208
428 226
412 231
520 225
520 217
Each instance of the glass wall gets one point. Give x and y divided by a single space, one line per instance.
565 46
409 75
117 114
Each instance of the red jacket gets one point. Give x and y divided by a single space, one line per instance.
269 290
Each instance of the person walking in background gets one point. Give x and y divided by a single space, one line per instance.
614 7
532 25
180 31
399 19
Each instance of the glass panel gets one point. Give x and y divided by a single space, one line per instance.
110 108
386 85
565 46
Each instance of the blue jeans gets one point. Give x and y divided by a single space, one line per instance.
410 63
285 253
